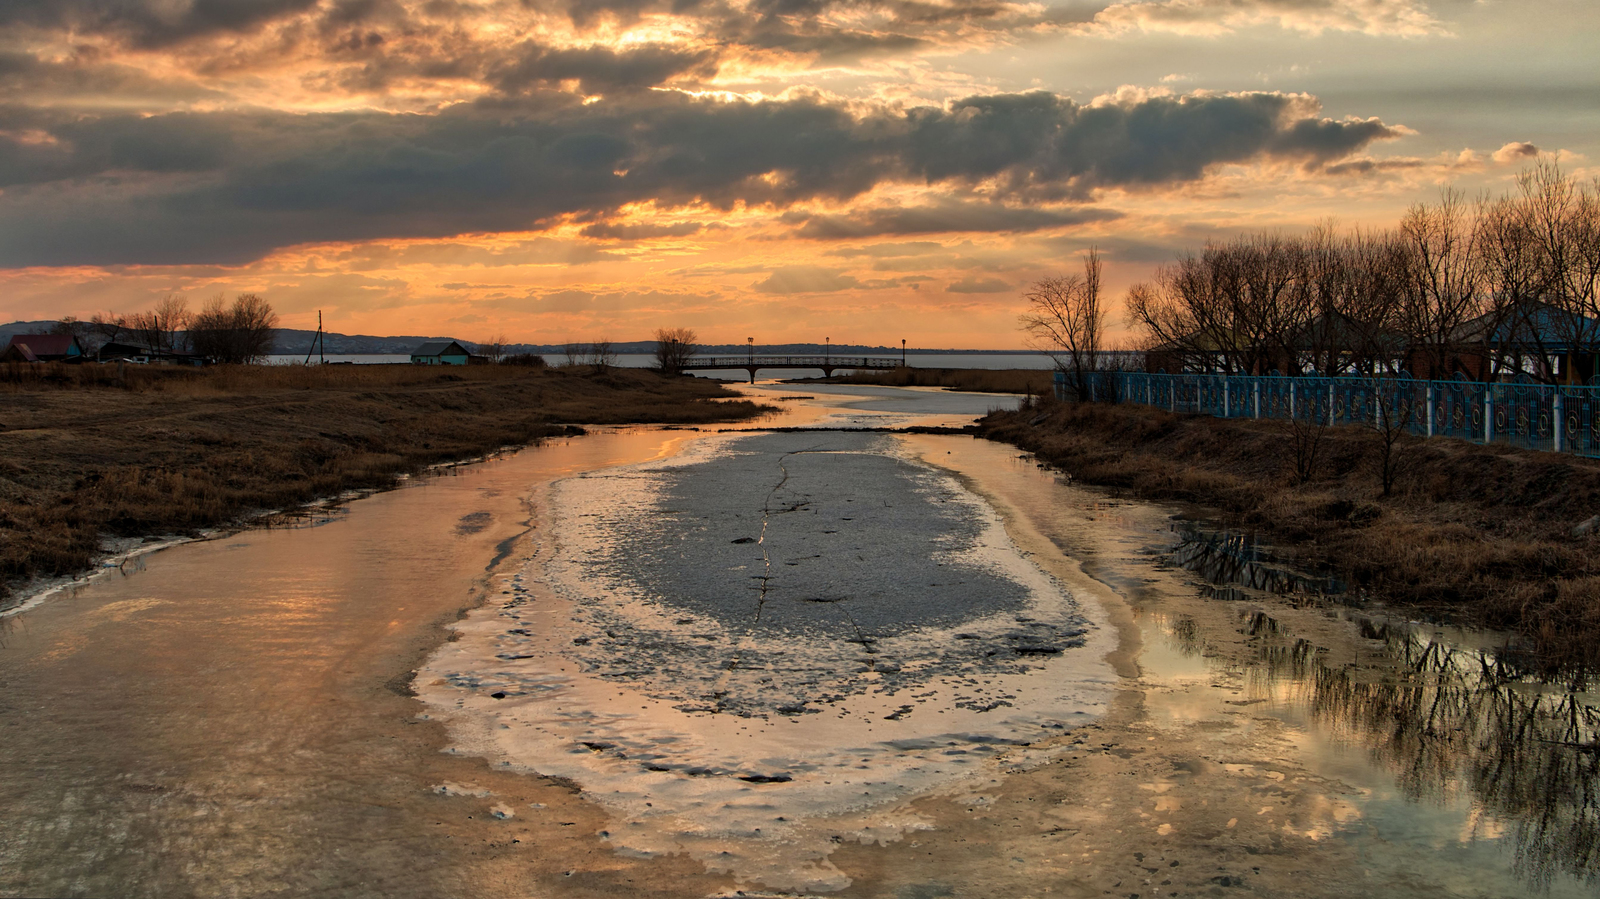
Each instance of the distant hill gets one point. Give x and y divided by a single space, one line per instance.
15 328
292 341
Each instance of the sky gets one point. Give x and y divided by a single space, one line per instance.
864 171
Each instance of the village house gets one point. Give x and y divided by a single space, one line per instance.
440 352
42 348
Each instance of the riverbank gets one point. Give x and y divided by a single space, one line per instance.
93 456
1488 535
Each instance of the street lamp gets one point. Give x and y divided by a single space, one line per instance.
902 352
827 349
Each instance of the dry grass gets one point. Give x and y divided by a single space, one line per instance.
1482 533
84 454
1019 380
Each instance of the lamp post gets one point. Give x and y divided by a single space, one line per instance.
827 349
902 352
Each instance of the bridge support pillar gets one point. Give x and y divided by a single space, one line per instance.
827 371
752 370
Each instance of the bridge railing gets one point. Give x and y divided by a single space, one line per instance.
1534 416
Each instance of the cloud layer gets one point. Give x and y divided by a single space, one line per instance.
228 187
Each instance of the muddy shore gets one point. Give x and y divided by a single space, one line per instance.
1487 535
89 460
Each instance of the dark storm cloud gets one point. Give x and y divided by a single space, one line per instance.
233 186
599 69
149 23
1049 147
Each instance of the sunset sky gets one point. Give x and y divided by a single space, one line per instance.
785 169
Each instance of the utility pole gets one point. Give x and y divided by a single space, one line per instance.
317 342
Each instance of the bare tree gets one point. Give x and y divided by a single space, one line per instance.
494 348
1544 253
1306 434
601 355
572 354
1441 291
1394 408
1352 287
1064 319
1238 307
240 332
674 349
160 327
108 327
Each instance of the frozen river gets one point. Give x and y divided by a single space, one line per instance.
838 661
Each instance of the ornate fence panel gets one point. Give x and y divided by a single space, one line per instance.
1580 420
1458 409
1523 415
1535 416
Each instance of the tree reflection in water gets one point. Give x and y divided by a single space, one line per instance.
1445 719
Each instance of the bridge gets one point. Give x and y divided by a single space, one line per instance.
752 363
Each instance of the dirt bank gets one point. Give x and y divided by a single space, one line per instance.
89 455
1490 534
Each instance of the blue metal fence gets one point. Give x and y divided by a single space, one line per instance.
1534 416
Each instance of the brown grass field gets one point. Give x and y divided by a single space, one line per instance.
89 452
1020 380
1485 534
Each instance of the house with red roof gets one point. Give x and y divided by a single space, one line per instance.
42 348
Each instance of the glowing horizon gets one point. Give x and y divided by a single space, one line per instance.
869 171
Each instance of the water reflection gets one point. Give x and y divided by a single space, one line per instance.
1449 722
1526 750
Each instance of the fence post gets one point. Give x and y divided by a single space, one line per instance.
1172 392
1488 414
1256 389
1556 420
1430 410
1291 399
1330 404
1225 380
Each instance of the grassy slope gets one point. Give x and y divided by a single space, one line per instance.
1481 532
170 451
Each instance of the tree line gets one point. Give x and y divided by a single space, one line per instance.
240 331
1502 286
1499 287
